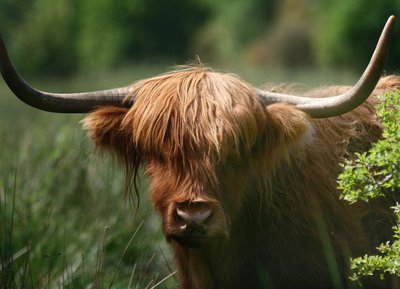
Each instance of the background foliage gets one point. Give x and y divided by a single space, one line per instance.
66 36
350 30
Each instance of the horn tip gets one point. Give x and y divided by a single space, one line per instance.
391 19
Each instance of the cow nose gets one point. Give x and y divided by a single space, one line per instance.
194 212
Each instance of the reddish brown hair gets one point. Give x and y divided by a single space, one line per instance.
269 173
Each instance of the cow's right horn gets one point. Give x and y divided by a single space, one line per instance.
58 102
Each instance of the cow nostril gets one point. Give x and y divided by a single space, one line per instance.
197 213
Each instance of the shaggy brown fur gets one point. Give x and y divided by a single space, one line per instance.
269 174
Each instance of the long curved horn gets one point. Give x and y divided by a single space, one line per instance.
58 102
339 104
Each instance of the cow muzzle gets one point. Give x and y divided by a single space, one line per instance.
195 223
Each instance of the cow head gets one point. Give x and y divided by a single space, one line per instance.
201 136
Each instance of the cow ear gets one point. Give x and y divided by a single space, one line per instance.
104 127
291 127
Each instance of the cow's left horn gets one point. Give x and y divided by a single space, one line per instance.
339 104
58 102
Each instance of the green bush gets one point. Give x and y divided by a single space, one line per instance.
374 174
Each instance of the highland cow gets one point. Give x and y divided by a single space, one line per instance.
244 179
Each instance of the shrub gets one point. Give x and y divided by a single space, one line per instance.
374 174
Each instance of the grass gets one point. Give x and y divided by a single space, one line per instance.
63 206
63 221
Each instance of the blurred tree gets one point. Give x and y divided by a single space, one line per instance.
43 38
65 35
101 35
287 43
233 26
348 31
12 11
112 32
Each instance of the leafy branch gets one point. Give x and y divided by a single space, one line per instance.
374 174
